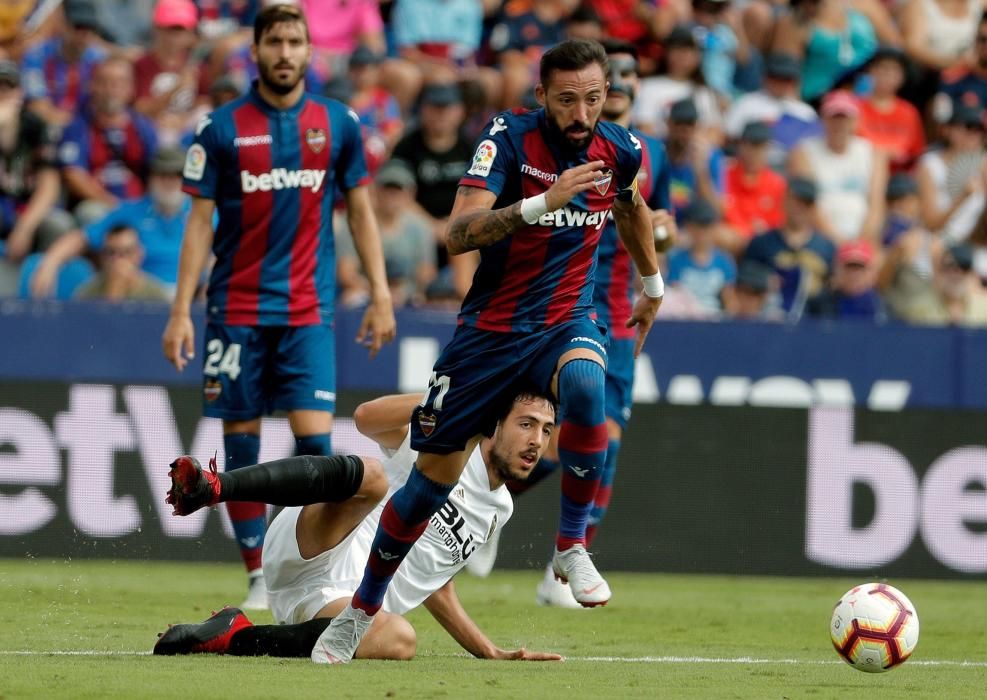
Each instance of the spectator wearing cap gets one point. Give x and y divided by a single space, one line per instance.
171 80
438 153
752 293
406 239
777 104
753 194
967 83
379 112
701 268
120 277
105 152
519 39
850 174
695 166
954 295
800 255
679 77
950 179
159 218
903 208
886 120
29 181
57 71
833 38
852 292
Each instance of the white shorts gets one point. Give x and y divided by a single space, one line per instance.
299 588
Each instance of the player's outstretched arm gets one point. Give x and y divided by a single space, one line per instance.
179 334
448 610
634 224
378 325
473 224
385 420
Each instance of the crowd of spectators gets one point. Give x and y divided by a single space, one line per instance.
826 156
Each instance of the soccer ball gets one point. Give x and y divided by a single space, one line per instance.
874 627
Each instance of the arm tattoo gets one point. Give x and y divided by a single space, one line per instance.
478 229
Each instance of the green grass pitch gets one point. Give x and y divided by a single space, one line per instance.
661 637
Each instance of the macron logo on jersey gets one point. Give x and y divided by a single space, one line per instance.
540 174
282 179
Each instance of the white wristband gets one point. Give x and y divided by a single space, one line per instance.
533 208
654 285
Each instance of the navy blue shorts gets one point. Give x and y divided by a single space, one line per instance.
620 380
253 371
478 368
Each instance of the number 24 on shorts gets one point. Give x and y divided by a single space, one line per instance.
219 362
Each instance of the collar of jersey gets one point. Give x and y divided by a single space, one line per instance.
268 108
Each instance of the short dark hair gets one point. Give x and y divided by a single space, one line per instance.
612 46
521 392
276 14
573 54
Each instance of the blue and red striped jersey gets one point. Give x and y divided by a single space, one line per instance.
47 74
542 275
274 174
613 293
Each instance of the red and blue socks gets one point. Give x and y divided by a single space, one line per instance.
583 445
403 521
602 500
249 519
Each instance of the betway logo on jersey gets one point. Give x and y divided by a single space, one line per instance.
282 179
574 217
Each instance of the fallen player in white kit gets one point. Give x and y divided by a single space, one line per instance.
317 546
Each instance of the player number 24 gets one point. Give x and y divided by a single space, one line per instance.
443 384
219 362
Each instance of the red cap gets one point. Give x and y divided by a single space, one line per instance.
860 252
176 13
840 103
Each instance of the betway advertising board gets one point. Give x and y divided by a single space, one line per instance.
704 488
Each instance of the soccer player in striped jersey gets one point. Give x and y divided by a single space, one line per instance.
534 203
271 163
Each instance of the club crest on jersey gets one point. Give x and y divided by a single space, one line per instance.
483 158
603 182
212 390
427 423
316 139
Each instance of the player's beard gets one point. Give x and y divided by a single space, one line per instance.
500 460
266 74
563 136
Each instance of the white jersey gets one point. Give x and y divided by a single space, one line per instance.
299 588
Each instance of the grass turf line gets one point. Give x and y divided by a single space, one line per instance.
87 606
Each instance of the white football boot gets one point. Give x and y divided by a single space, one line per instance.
573 566
256 592
338 643
554 593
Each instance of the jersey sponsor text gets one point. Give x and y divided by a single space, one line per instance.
281 179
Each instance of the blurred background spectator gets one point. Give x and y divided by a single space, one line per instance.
406 237
700 268
695 164
850 173
752 293
886 120
753 194
852 290
120 277
965 83
800 255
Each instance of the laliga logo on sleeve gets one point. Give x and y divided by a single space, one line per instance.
603 182
195 162
483 158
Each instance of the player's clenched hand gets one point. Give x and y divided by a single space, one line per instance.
523 654
571 182
378 325
179 336
643 316
665 231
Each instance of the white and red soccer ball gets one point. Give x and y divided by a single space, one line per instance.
874 627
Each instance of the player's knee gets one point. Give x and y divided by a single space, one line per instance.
374 485
581 384
402 641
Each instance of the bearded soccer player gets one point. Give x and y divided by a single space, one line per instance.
317 546
534 203
270 162
613 299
